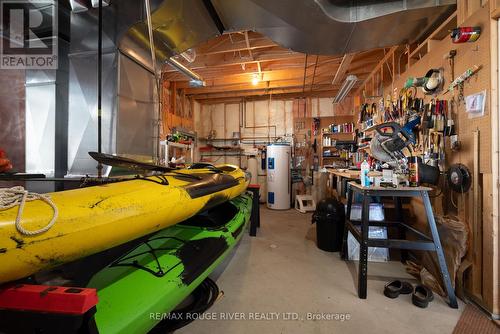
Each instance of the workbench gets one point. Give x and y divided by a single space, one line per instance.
343 176
339 177
424 242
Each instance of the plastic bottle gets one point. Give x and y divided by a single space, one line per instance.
365 169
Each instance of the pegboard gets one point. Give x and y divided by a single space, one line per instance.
468 54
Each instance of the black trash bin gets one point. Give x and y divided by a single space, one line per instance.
330 220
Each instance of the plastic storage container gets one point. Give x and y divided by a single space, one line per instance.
375 254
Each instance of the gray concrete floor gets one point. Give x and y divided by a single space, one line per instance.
282 270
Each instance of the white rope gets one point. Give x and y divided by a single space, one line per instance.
11 197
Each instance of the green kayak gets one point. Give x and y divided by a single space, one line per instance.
158 274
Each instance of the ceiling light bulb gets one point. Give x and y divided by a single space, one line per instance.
255 80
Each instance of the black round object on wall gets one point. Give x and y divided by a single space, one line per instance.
459 178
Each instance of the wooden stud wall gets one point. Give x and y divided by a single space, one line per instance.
177 109
481 280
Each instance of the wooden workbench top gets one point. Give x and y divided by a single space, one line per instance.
351 174
400 188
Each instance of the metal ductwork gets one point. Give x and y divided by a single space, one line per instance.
316 27
78 6
327 27
349 11
335 27
177 26
129 99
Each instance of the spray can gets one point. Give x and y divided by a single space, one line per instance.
413 172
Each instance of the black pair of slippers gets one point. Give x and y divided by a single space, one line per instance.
421 295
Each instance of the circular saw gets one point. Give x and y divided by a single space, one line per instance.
391 140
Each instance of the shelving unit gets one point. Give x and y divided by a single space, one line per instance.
217 148
174 147
334 157
337 136
324 123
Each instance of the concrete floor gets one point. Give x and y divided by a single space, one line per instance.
281 270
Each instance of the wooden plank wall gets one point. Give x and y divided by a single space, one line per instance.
493 233
490 181
482 279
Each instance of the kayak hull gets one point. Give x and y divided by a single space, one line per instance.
97 218
141 284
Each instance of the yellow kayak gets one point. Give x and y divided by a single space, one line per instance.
97 218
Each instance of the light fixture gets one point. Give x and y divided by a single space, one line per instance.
196 83
186 71
346 87
255 79
189 55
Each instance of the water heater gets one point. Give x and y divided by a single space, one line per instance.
278 176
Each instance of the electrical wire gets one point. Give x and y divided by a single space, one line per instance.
453 201
440 188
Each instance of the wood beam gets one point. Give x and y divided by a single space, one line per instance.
495 9
326 91
227 100
292 63
381 63
228 47
247 42
228 63
174 98
216 72
239 78
305 74
212 44
224 80
314 72
266 95
262 57
249 86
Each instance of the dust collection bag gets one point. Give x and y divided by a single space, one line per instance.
453 234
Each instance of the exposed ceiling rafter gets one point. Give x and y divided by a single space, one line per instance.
229 64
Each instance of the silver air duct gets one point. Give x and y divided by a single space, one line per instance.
336 27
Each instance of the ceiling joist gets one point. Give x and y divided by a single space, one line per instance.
230 64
